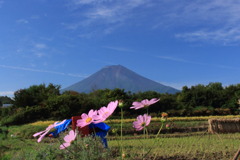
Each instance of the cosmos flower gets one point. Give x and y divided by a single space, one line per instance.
141 122
105 112
86 119
143 103
68 139
42 134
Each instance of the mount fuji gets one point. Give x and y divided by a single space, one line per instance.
117 76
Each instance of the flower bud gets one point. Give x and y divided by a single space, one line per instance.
114 130
120 104
164 117
168 126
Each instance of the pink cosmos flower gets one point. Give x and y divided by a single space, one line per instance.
42 134
141 122
105 112
68 139
143 103
86 119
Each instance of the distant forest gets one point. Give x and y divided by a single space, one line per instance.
45 102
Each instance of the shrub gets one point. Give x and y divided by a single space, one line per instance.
63 106
222 111
3 132
202 110
25 116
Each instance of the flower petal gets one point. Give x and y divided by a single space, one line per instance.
64 145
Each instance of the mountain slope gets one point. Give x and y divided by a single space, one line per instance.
117 76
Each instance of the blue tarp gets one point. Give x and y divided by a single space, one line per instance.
60 128
101 131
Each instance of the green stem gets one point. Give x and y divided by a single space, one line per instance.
155 141
121 132
146 133
159 130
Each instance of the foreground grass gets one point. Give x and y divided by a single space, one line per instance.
222 146
18 142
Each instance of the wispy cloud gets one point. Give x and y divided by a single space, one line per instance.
39 54
173 59
40 46
215 21
35 17
120 49
226 36
197 63
43 71
30 49
84 2
38 49
22 21
1 3
180 60
107 14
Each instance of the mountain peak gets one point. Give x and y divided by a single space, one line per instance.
115 67
118 76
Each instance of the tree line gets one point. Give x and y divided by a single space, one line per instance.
41 102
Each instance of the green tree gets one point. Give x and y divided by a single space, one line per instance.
6 100
35 95
64 106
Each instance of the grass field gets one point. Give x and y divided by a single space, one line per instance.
221 146
18 143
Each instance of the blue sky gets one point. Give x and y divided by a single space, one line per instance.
173 42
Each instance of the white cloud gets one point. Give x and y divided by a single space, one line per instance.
1 3
22 21
37 49
39 54
40 46
6 93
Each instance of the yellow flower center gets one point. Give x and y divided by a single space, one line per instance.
105 113
88 119
143 124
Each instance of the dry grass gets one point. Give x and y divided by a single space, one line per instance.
224 125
